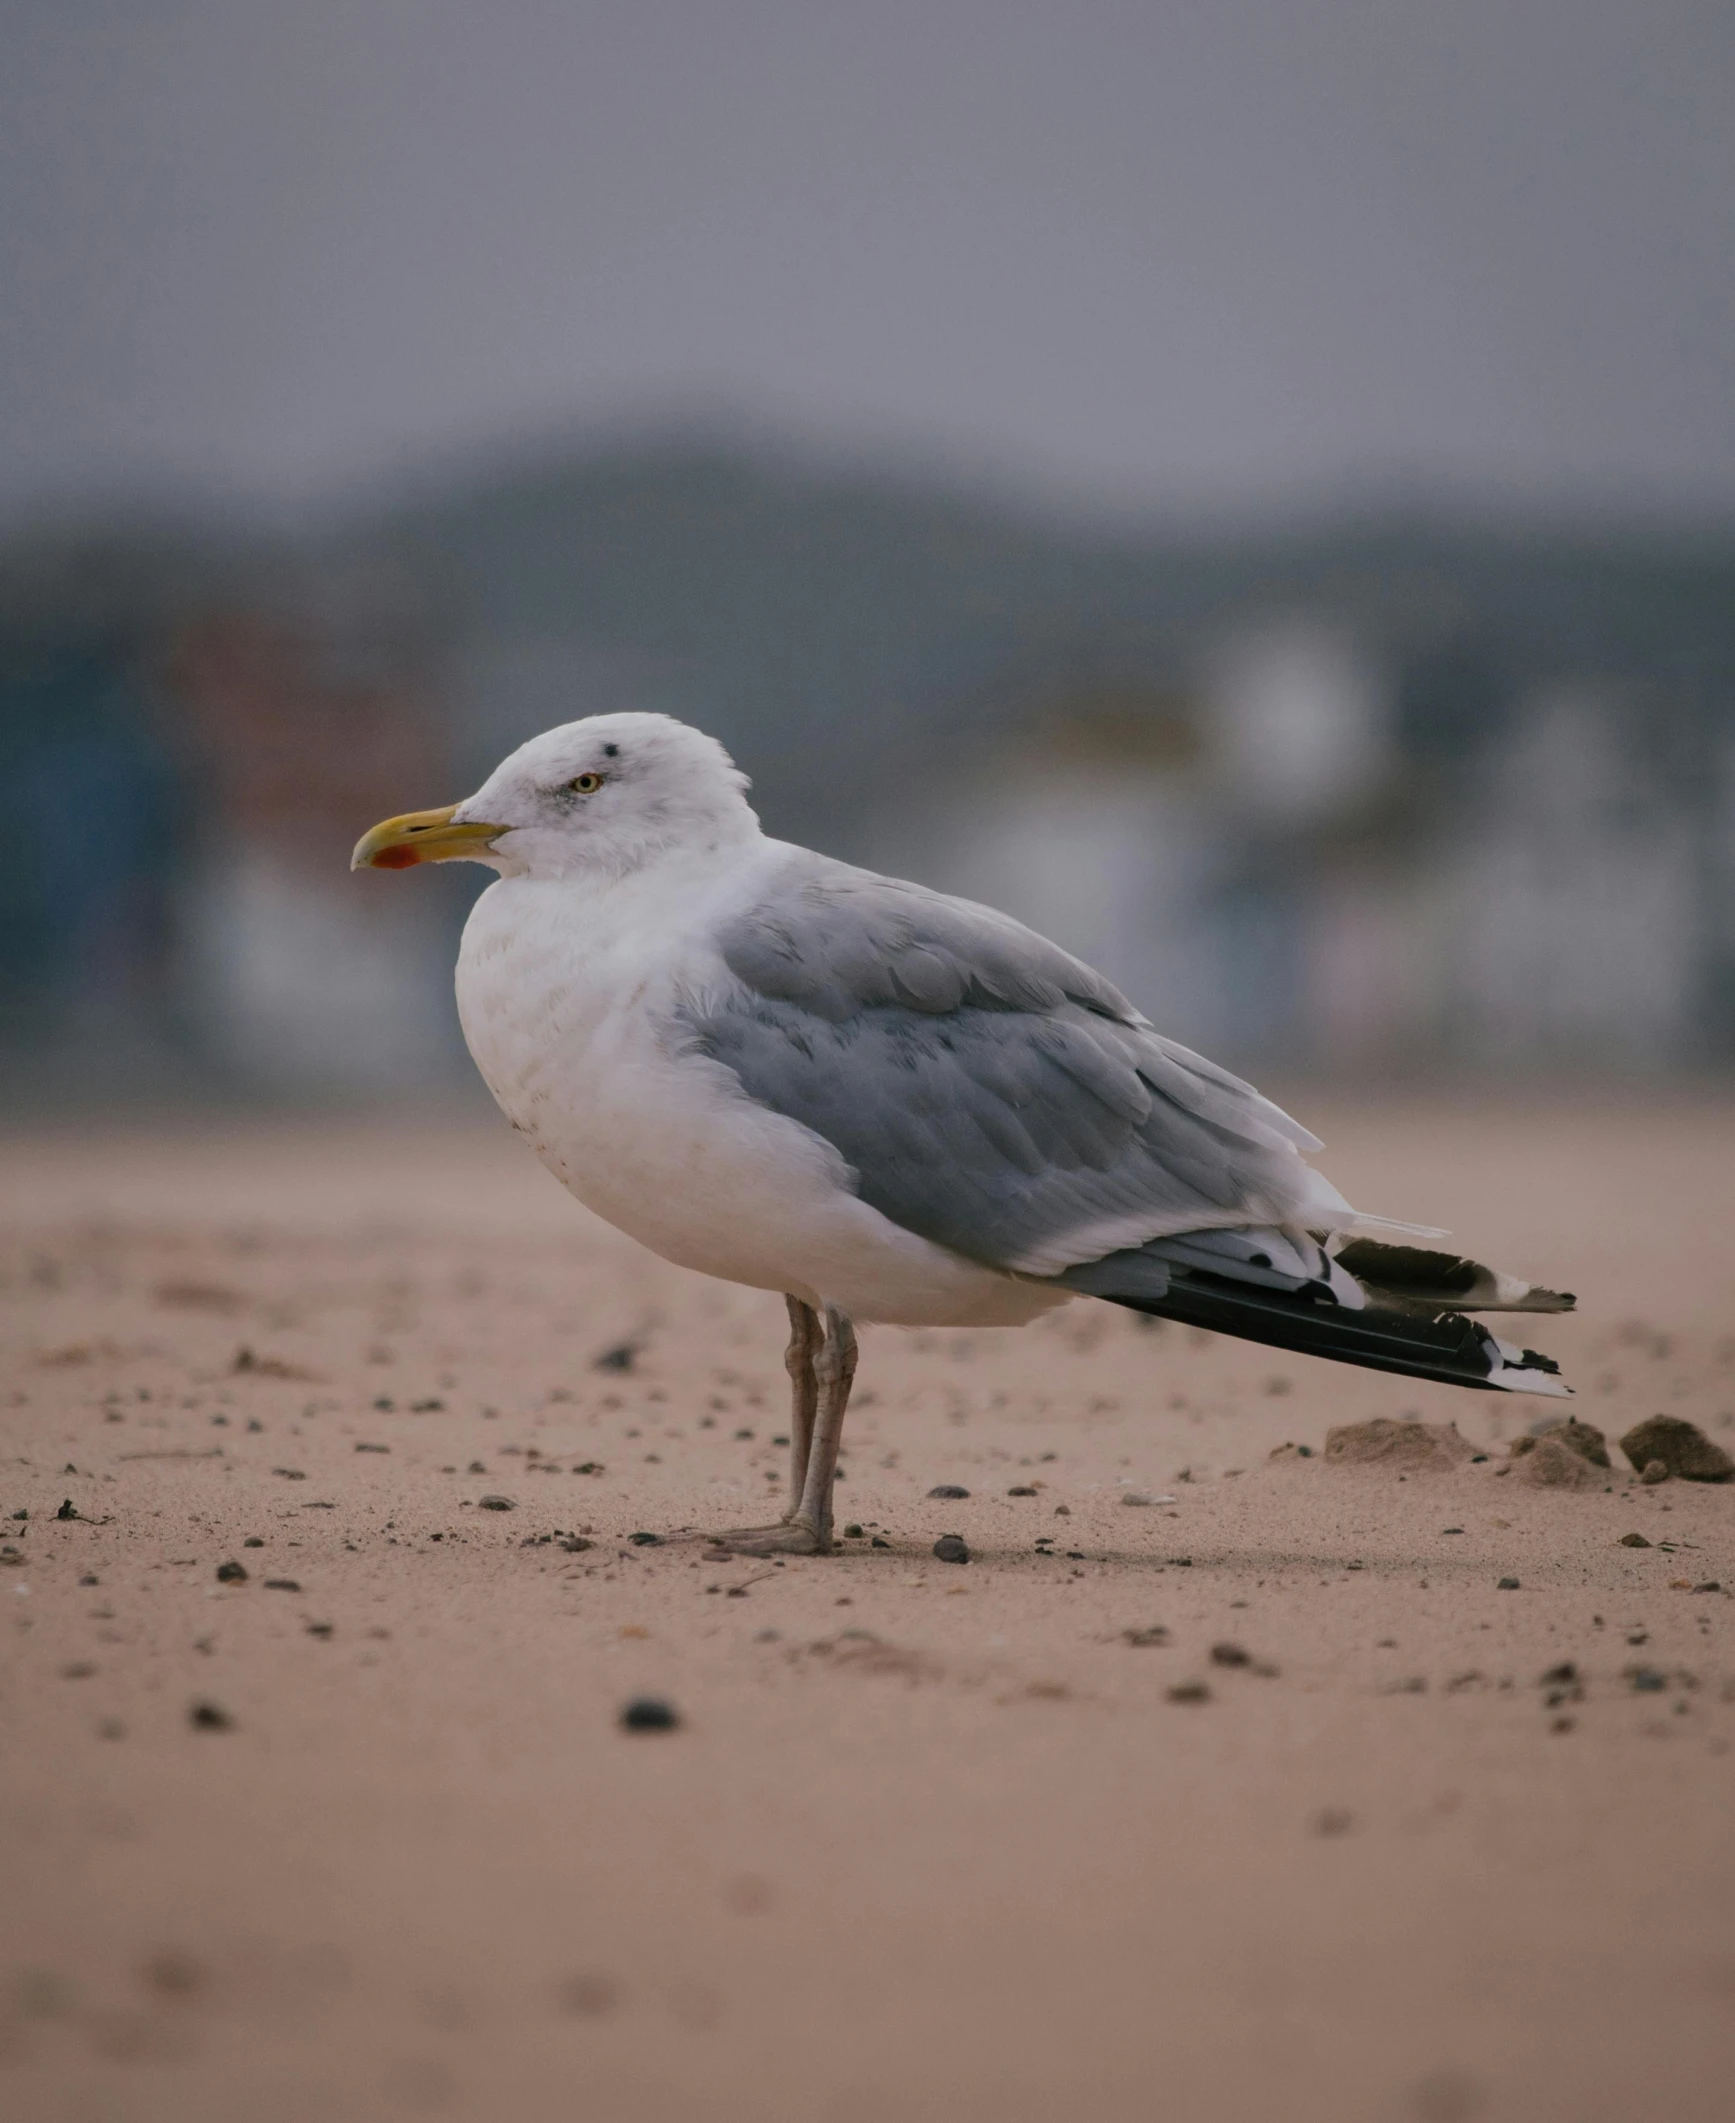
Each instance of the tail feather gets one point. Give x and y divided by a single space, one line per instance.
1389 1308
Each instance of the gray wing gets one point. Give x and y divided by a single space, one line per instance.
989 1092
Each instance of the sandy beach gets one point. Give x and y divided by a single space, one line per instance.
1260 1798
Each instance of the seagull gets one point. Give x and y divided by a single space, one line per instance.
888 1104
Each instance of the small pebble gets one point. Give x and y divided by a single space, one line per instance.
1507 1585
1634 1540
1023 1489
649 1713
210 1717
948 1493
852 1532
282 1584
1653 1472
646 1540
1190 1692
1648 1681
1230 1655
496 1503
1135 1496
1153 1633
253 1541
231 1574
951 1548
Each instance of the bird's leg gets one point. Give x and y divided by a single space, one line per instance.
805 1337
835 1370
831 1368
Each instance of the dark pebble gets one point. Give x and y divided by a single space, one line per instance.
253 1541
1023 1489
1507 1585
496 1503
68 1510
282 1584
210 1717
319 1628
878 1543
951 1548
1634 1540
948 1493
646 1540
1190 1692
621 1357
576 1544
1710 1585
649 1713
1648 1681
231 1573
1230 1655
589 1467
1154 1633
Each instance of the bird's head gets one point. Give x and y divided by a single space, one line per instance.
599 797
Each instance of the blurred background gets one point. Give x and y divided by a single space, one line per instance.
1248 488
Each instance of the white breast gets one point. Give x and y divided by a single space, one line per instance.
567 994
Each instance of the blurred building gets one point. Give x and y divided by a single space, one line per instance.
198 754
1377 799
1274 868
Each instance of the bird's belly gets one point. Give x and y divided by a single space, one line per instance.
666 1146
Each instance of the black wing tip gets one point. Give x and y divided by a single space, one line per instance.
1447 1347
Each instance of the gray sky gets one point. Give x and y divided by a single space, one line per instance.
1211 254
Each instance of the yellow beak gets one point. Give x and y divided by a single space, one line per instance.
421 836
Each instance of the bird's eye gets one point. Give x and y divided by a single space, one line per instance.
585 784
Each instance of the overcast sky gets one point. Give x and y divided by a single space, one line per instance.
1215 255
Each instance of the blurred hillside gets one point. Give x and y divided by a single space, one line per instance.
1389 795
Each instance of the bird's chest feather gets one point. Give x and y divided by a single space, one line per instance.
572 1026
